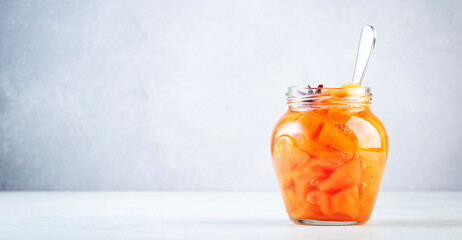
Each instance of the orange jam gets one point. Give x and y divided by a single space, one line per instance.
329 152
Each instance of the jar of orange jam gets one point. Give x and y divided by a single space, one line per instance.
329 152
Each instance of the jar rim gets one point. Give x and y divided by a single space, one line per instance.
328 96
366 89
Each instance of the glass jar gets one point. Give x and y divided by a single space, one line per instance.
329 152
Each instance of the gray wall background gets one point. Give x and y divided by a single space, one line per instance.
183 95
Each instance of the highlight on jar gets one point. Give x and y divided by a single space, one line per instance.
329 152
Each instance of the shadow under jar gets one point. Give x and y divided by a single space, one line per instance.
329 152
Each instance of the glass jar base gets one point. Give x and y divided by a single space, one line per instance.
325 223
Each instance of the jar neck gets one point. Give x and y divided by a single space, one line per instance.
348 99
304 108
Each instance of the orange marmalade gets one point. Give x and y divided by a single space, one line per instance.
329 152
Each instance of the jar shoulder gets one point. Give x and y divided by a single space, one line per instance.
349 129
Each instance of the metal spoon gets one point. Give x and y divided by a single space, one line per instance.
366 44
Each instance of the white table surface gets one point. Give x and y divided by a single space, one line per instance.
214 215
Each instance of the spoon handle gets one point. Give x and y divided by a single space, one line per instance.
366 44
